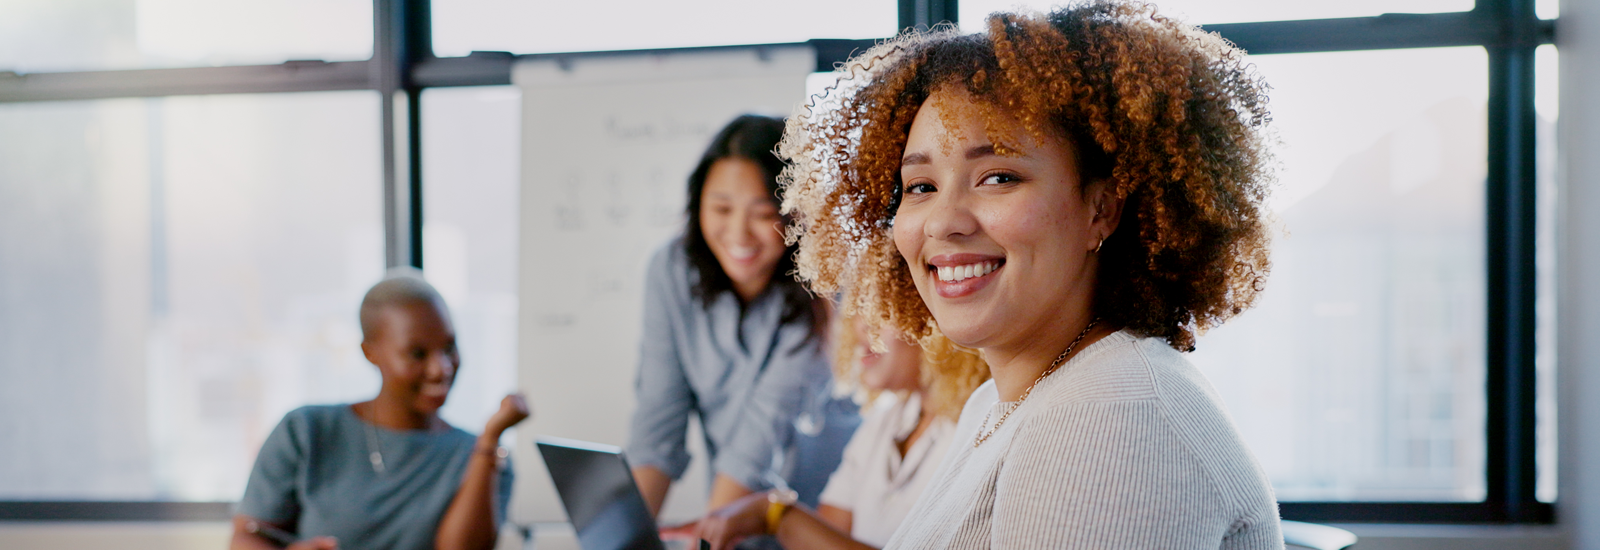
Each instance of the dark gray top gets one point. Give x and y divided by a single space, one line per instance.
747 376
314 474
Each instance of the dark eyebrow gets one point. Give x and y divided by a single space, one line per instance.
973 153
980 151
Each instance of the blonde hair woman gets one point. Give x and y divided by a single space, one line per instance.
913 395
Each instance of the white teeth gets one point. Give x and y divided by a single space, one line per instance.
968 271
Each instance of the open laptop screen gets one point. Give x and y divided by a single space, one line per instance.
597 489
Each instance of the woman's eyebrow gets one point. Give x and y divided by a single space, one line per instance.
980 152
973 153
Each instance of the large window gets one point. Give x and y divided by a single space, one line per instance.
179 269
180 272
76 35
462 26
1359 374
470 141
1236 11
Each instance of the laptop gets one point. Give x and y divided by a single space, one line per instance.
602 501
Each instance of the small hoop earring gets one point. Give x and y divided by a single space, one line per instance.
1098 245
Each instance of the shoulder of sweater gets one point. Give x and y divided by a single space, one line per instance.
1125 367
1148 371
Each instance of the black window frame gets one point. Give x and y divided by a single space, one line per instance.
403 65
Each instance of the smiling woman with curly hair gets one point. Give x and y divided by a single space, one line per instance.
1076 195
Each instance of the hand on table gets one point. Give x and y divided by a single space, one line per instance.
740 519
687 531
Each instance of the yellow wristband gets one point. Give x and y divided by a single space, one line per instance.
778 502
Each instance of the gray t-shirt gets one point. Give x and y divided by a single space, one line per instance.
314 474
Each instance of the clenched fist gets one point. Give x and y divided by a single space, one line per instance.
513 409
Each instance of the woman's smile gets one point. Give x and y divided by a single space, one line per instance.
742 253
957 275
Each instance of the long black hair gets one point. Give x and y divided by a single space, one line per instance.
753 138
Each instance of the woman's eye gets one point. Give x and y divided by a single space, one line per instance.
419 354
1000 178
920 188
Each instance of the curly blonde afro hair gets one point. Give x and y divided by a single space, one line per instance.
1172 120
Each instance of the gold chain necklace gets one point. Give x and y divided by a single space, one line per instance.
983 435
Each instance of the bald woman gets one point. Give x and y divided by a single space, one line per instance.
384 473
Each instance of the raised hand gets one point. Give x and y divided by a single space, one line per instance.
513 409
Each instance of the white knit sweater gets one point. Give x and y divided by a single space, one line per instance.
1125 446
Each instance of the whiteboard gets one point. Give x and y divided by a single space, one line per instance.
608 143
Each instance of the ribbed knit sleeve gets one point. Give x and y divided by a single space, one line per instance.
1134 484
1126 446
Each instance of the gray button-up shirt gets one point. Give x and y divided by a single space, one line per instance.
746 376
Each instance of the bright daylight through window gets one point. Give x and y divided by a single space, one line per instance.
180 270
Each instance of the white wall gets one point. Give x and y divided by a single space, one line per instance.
1578 310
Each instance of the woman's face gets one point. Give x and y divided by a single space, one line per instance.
1000 247
741 224
415 350
898 368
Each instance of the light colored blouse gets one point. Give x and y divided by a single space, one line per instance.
746 376
874 482
1126 446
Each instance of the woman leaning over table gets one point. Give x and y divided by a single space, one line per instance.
730 337
1076 195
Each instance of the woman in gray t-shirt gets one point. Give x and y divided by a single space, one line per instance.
385 473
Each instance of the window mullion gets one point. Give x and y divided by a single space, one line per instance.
1512 279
